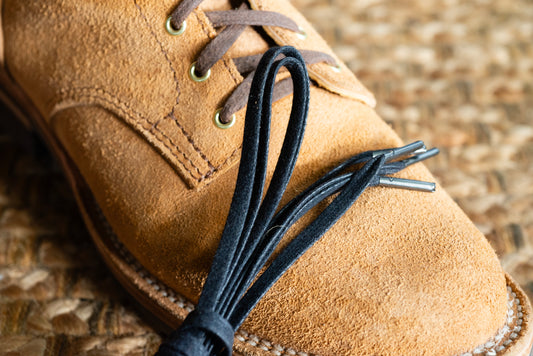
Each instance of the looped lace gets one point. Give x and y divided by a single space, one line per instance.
253 229
247 213
234 23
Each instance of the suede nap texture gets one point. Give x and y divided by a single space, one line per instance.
402 273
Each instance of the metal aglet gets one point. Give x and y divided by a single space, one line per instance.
394 153
420 157
407 184
420 151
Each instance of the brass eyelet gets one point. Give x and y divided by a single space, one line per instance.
220 124
301 33
172 31
196 78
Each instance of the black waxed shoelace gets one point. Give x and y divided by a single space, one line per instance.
253 228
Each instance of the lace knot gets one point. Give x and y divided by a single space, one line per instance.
201 333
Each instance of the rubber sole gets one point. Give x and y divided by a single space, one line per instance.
169 307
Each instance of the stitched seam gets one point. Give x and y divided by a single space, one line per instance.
233 154
170 147
165 54
172 113
117 106
490 347
276 349
226 64
203 25
173 117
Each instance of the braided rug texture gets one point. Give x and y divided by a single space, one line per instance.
456 74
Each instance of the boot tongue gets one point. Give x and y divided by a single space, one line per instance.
250 42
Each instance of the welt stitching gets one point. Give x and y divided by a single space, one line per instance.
175 75
172 145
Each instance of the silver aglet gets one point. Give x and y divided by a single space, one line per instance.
420 151
421 156
393 153
407 184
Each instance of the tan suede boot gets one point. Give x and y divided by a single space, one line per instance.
142 103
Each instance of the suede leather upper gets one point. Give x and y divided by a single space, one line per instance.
403 272
197 149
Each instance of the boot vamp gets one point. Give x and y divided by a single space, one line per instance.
402 272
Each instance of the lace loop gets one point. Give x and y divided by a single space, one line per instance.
236 101
249 215
253 229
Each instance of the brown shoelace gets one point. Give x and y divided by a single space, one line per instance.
233 23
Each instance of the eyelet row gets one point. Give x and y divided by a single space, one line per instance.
301 34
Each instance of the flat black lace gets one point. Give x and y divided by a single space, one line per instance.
253 228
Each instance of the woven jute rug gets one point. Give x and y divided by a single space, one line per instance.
457 74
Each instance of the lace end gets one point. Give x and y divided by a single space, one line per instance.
393 153
421 156
407 184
